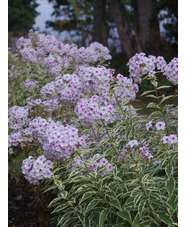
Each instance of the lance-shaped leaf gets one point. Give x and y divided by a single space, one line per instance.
164 217
170 185
125 215
102 217
92 204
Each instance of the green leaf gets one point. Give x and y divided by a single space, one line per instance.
54 201
163 87
151 96
60 207
154 83
86 196
146 223
116 203
68 222
125 215
136 220
172 202
95 218
166 98
141 208
50 188
169 170
102 217
63 194
64 217
153 105
164 217
92 204
170 185
111 194
146 92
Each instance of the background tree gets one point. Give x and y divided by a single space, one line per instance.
147 25
21 15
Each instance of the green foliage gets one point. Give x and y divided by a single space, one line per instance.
134 193
21 14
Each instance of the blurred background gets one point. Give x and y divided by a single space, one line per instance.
124 26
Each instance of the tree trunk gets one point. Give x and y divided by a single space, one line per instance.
100 33
124 31
147 26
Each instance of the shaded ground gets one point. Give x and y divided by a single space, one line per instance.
26 205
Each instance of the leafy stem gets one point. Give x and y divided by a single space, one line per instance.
110 138
161 110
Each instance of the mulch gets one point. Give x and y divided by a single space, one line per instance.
27 206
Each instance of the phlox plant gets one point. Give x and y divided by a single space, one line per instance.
105 164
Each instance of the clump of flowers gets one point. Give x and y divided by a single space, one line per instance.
125 88
140 65
36 169
139 146
30 84
172 139
95 79
93 163
60 141
67 88
38 128
171 71
92 110
56 56
18 118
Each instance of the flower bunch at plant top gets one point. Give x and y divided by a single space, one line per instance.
171 71
60 141
90 111
125 88
95 79
140 65
92 164
35 170
56 56
31 84
18 118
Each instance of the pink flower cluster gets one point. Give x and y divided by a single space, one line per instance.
56 56
95 79
49 105
170 139
160 63
36 169
125 88
68 88
60 141
95 53
18 139
90 111
141 146
140 65
31 84
18 118
93 163
171 71
15 139
38 128
160 125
